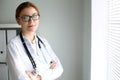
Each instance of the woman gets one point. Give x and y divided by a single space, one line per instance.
30 57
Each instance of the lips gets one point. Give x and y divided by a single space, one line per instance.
31 26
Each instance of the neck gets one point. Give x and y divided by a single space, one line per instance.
29 35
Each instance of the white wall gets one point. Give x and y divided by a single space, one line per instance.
66 25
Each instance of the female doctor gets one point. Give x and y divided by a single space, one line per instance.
30 57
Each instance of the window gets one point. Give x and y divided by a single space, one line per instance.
98 42
113 46
105 44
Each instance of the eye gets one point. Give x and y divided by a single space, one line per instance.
35 17
25 17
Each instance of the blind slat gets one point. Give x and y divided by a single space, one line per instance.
113 40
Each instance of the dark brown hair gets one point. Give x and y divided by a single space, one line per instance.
24 5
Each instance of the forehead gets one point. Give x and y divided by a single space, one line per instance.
28 11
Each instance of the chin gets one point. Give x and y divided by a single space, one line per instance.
33 29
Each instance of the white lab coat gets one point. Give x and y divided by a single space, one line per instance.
19 62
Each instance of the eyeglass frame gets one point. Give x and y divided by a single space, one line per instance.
30 17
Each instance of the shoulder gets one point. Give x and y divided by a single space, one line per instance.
45 42
14 40
43 39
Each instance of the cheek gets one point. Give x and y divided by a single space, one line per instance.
20 22
23 23
37 23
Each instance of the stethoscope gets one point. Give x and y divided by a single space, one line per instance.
28 53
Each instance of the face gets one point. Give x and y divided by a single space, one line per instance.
29 19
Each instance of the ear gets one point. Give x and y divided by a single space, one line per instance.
18 21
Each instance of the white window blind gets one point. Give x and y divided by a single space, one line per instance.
113 40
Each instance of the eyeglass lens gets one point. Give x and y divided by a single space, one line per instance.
27 18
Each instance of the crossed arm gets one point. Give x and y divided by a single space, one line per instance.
38 77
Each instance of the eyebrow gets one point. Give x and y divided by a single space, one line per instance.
29 15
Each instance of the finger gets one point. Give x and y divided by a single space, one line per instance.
39 77
30 75
53 65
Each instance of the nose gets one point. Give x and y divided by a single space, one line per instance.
31 20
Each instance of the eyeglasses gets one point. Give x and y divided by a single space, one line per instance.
27 18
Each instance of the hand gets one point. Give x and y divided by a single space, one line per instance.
32 76
52 64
